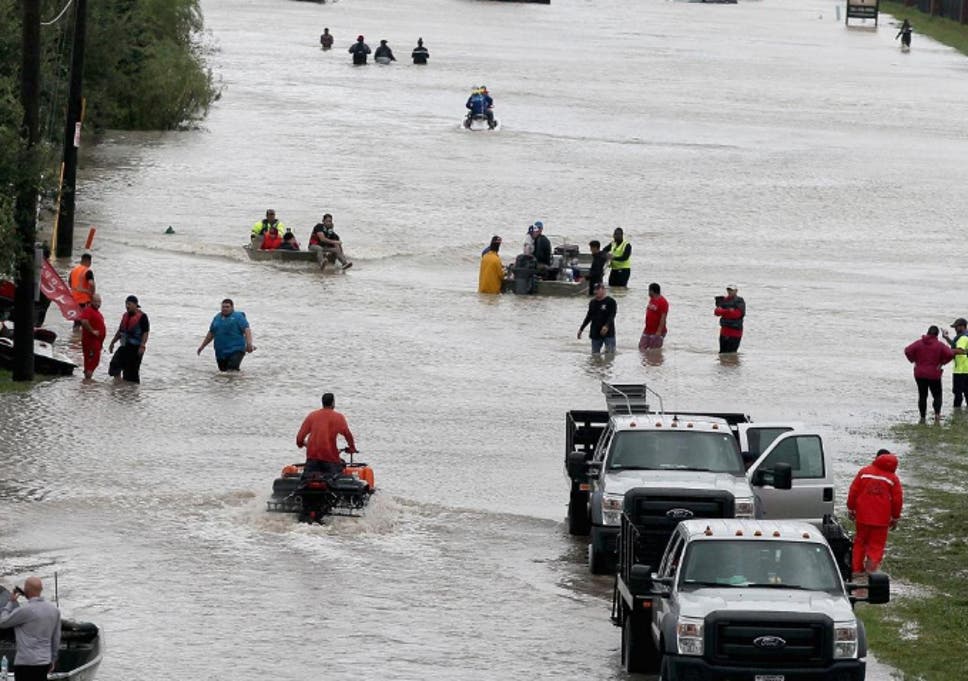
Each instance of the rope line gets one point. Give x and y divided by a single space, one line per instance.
59 16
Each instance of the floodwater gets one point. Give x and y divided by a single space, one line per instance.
762 143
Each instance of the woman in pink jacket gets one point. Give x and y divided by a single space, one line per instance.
928 355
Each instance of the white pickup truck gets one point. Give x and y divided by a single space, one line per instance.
740 599
695 465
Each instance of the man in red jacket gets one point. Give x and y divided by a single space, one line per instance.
318 435
928 355
874 502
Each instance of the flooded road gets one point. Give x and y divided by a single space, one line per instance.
762 143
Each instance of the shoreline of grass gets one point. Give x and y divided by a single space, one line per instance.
945 31
8 385
923 632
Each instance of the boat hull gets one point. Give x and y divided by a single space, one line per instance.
319 258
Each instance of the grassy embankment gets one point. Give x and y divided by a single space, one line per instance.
8 385
943 30
924 631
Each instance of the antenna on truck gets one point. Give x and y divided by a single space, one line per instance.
629 398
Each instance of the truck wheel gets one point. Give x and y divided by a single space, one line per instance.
578 522
600 563
639 653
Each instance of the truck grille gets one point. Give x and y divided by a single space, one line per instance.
738 639
650 510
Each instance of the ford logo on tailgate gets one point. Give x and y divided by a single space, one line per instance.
769 642
679 513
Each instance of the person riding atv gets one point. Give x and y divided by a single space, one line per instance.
480 105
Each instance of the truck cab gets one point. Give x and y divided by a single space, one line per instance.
696 464
743 599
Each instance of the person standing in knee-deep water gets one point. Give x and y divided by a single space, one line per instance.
420 54
959 374
596 271
928 355
601 316
656 313
232 335
37 628
359 50
133 335
874 502
731 310
620 259
93 332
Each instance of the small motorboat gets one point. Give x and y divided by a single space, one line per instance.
47 360
315 496
476 122
323 258
81 648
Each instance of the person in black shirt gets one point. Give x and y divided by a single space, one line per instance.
542 253
420 53
325 238
601 316
383 53
596 273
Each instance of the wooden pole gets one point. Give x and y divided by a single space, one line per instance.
25 208
72 135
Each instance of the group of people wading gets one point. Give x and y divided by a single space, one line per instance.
383 54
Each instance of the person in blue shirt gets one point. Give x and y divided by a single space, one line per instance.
480 103
232 335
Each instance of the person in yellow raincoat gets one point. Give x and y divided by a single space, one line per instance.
492 270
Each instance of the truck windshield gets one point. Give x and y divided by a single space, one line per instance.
764 563
675 450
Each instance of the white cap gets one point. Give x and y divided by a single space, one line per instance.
732 287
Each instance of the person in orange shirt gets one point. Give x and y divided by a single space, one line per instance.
81 281
318 435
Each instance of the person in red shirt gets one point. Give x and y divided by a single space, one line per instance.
318 435
655 319
731 310
92 334
874 502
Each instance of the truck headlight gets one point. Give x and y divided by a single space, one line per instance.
689 636
744 508
845 640
612 509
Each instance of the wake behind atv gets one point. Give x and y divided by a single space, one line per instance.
317 495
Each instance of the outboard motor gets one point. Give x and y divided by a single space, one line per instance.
525 274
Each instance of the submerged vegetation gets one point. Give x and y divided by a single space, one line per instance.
924 630
144 69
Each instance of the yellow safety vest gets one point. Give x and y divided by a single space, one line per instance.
618 251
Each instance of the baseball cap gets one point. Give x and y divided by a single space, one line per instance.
597 286
959 322
732 287
132 299
538 224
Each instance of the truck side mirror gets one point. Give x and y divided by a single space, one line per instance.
783 476
878 588
640 578
780 477
575 462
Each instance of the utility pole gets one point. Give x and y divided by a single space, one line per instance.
25 208
72 136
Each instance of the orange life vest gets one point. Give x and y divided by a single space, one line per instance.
79 288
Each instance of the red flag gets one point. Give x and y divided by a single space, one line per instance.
52 286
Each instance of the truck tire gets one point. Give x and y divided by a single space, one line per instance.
639 653
578 522
599 562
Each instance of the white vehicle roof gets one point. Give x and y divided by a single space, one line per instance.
732 528
670 421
